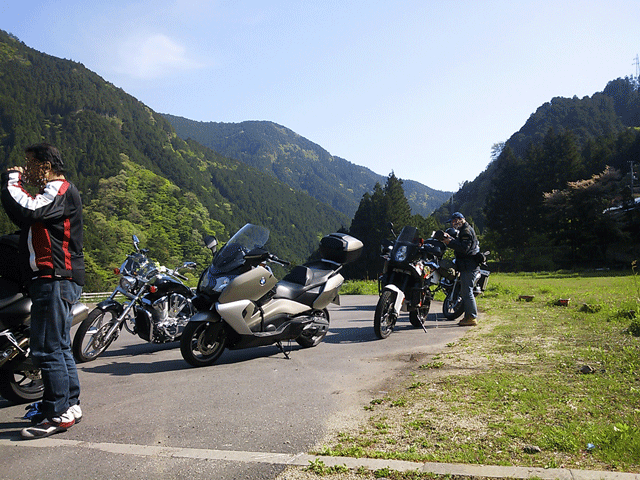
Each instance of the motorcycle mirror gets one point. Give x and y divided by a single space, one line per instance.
190 265
211 242
136 242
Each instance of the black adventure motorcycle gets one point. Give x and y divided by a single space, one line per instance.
410 270
20 380
157 306
241 304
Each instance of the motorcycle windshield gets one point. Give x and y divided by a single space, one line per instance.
232 254
405 245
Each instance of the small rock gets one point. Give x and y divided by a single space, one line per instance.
532 449
586 369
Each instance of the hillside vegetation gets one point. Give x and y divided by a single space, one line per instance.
300 163
136 175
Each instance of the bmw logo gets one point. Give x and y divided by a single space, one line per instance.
263 281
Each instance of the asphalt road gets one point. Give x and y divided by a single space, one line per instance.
141 402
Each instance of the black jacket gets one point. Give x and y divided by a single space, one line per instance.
50 227
465 246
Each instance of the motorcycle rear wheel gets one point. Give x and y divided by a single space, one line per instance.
89 342
453 306
384 320
21 386
197 349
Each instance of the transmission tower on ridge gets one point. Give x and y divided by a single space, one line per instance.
636 62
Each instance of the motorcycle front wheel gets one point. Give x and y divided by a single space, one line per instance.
21 386
202 343
89 341
384 319
453 306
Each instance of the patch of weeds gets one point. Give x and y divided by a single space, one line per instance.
431 365
634 328
399 402
318 467
415 385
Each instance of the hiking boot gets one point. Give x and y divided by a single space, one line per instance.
49 426
468 322
76 411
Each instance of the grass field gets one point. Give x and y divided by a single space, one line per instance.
536 383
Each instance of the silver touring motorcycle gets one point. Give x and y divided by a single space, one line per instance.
241 304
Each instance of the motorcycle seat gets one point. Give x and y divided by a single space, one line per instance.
305 277
9 293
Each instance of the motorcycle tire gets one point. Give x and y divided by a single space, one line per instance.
89 342
418 317
383 319
307 341
21 386
453 306
196 349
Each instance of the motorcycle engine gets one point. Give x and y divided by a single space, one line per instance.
168 316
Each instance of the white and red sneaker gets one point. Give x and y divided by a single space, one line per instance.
49 426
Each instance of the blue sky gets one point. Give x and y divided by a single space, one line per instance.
423 88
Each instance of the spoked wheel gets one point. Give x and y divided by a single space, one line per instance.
384 319
315 332
202 343
90 340
21 386
453 306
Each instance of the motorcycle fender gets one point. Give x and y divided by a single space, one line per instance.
110 303
237 314
397 306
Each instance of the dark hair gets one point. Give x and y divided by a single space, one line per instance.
44 152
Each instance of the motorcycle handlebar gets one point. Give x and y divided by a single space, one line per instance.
279 261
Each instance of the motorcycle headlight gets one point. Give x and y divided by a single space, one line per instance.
401 254
127 283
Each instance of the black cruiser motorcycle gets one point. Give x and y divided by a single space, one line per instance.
20 380
410 271
156 306
241 304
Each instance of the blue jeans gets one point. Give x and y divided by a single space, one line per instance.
466 290
50 342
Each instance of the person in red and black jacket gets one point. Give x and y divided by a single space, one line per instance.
51 236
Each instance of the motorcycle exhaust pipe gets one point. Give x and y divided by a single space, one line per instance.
79 311
11 353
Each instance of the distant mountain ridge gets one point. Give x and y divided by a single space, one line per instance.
300 163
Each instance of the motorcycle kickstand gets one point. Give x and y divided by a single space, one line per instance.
286 355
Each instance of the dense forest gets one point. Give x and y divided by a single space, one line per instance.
300 163
136 175
558 192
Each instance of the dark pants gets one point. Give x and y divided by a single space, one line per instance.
50 342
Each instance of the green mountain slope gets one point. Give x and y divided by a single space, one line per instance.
589 121
300 163
117 149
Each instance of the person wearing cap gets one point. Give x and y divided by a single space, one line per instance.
466 246
51 237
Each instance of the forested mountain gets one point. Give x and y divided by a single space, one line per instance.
300 163
136 175
579 150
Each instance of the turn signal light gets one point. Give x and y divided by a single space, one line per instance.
153 289
116 271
